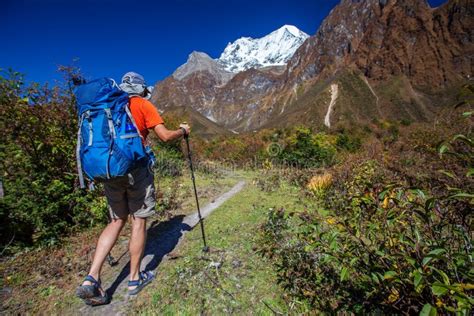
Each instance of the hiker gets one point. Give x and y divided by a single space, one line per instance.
132 195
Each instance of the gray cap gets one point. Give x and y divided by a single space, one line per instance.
133 78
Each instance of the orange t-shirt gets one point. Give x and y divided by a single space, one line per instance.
145 115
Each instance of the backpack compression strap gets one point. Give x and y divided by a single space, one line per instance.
113 135
78 154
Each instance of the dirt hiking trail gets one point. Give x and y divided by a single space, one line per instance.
163 237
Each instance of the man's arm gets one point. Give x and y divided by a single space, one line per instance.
166 135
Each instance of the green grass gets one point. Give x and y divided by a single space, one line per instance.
44 280
180 189
245 282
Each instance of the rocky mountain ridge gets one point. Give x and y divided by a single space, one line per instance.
390 59
201 62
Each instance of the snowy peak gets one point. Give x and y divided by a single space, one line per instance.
274 49
293 30
288 29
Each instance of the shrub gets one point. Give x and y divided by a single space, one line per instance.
269 179
37 163
168 199
305 149
381 245
169 161
349 143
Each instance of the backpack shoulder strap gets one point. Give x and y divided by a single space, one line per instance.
132 119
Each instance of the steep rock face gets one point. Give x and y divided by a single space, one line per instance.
390 58
197 90
240 102
432 47
338 36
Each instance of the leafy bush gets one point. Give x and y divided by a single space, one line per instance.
169 161
37 163
381 245
347 142
269 179
304 149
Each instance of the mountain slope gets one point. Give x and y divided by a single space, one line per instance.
391 59
433 47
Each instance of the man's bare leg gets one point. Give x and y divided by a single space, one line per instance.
136 246
106 241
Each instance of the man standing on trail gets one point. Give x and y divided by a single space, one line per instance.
132 195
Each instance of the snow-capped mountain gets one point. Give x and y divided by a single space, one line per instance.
274 49
359 66
198 61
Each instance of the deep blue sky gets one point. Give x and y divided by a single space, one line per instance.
153 38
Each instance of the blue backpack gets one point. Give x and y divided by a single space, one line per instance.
108 142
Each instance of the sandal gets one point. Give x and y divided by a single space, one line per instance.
91 294
144 278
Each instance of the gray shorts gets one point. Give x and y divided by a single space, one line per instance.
133 194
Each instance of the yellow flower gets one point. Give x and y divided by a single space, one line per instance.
394 295
439 303
385 202
330 221
267 165
392 242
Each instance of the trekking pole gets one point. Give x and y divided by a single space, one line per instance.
206 248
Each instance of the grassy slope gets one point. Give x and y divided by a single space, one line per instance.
355 103
244 284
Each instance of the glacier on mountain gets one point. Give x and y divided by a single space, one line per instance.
274 49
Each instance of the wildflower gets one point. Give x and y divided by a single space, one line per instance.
394 295
439 303
267 165
385 202
330 221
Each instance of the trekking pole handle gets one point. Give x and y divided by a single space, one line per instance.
185 133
